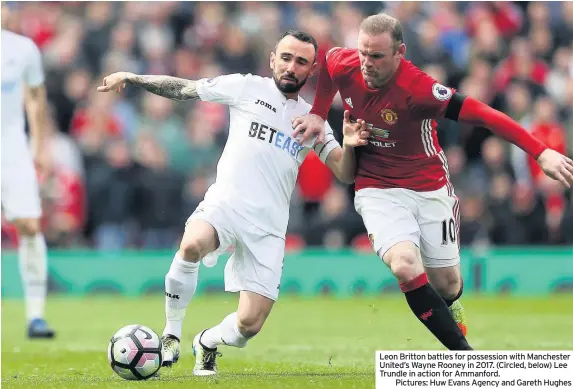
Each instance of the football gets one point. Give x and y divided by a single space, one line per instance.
134 352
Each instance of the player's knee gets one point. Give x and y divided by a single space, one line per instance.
449 285
27 227
250 324
191 250
404 264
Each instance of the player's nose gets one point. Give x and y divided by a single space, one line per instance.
291 68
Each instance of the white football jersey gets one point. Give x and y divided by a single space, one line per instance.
21 66
258 169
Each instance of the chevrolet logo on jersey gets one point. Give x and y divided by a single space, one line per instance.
375 131
380 132
275 137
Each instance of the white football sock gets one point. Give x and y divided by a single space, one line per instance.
180 286
32 255
227 333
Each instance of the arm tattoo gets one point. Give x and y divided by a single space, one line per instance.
171 87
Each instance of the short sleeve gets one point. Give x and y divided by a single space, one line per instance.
225 89
34 75
330 143
428 98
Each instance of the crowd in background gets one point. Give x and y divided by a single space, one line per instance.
126 170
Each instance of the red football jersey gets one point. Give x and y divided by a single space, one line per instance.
403 150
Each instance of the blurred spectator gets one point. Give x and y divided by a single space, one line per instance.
63 152
502 221
314 181
63 202
472 230
564 31
111 186
506 17
560 74
335 224
97 115
530 214
546 128
521 64
158 214
142 163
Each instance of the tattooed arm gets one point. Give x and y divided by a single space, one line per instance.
171 87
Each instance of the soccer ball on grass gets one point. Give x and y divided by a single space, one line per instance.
134 352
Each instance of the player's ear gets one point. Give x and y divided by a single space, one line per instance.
313 68
272 61
402 49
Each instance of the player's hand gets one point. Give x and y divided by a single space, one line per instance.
557 166
309 126
355 134
115 81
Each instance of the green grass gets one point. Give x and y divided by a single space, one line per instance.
313 343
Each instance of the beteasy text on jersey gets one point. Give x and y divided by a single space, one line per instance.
281 140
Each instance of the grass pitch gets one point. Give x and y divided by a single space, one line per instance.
306 343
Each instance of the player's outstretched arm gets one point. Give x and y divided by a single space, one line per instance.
36 108
554 164
166 86
341 160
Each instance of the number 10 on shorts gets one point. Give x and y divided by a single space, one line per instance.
448 231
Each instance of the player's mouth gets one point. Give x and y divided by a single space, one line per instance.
368 74
289 79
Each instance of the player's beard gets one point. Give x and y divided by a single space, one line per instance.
290 87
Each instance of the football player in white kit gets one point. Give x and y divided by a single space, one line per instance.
248 205
23 85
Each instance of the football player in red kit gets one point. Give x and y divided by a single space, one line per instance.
403 191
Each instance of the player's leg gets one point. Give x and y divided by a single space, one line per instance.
449 284
439 226
255 271
405 262
21 203
203 234
235 330
395 234
33 263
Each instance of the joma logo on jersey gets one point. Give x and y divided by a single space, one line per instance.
266 105
275 137
173 296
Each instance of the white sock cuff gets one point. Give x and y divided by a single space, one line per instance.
37 239
185 266
232 319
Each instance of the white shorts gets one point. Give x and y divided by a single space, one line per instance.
257 262
430 220
20 195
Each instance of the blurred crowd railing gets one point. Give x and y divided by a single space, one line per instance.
517 271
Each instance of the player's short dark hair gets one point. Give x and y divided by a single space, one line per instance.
381 23
301 36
